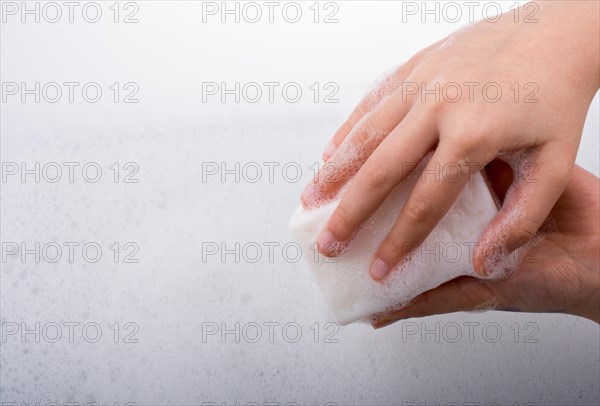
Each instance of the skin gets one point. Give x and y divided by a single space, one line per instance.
562 274
555 64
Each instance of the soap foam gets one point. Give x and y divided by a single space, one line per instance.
348 158
349 291
501 262
386 83
357 146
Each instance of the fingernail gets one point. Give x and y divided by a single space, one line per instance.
326 242
329 150
479 269
378 269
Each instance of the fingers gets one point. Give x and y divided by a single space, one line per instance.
460 294
540 178
383 89
440 183
364 138
408 143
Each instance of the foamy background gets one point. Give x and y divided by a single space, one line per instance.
170 212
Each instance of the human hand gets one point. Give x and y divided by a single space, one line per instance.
561 274
548 73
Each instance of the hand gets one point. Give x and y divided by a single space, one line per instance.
444 99
561 274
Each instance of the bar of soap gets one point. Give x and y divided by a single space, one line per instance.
350 293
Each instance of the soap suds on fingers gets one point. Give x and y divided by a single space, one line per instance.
348 290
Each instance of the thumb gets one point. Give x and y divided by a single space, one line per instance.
536 187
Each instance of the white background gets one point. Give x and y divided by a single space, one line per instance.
172 294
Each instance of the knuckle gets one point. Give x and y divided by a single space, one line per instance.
391 249
435 105
375 174
475 142
521 234
418 211
341 223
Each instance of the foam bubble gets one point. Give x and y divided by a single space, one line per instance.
349 291
487 306
384 86
335 175
498 259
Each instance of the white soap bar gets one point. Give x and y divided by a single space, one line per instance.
447 253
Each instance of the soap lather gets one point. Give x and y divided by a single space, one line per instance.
349 291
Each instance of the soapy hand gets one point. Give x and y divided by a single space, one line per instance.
561 274
517 91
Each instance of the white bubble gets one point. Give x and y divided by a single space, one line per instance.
349 291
